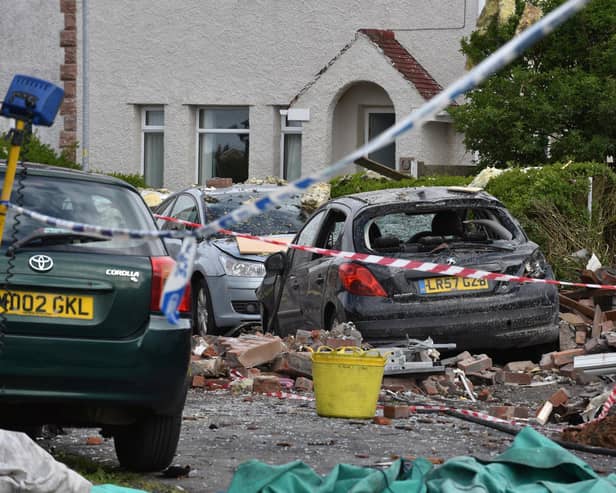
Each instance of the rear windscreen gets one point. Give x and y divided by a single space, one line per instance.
86 202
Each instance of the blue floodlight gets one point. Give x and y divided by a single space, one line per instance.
32 100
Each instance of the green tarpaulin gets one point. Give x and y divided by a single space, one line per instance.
533 464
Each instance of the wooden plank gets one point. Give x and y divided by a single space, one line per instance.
577 307
381 169
596 322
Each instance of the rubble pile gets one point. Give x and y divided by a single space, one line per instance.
587 324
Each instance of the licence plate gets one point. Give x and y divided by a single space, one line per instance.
451 284
34 304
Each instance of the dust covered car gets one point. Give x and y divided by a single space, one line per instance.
452 226
83 340
228 270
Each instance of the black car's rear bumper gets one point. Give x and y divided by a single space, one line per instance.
526 316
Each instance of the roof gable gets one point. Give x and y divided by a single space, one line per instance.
399 57
404 62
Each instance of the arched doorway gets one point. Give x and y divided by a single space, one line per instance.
363 110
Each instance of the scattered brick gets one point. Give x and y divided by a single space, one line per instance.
476 364
381 420
509 412
546 362
430 387
265 384
561 358
580 336
396 411
198 381
484 395
559 398
456 359
520 366
217 182
250 350
293 363
94 440
595 345
486 377
303 384
517 378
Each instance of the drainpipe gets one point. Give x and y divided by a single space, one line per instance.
85 112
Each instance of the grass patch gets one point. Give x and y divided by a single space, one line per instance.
100 474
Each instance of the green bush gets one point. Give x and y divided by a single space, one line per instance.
35 151
361 182
135 179
551 204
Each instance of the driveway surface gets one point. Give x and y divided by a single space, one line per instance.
222 430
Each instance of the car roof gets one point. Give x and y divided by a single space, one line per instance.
49 170
419 194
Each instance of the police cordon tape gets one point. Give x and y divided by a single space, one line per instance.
428 267
175 285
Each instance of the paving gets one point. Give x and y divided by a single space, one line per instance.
222 429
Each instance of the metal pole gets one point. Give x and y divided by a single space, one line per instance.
9 177
85 112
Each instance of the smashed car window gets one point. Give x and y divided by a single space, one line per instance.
419 231
285 218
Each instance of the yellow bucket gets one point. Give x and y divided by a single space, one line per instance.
347 381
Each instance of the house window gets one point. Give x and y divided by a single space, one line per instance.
153 145
290 147
377 120
223 137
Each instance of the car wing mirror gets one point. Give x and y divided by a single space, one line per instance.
276 263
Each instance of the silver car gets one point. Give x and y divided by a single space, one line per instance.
228 270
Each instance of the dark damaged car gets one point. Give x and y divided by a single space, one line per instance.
452 226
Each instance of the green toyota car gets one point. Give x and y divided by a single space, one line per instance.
82 339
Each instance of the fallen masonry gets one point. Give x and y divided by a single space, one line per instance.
265 364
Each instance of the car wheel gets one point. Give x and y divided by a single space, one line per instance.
149 444
202 313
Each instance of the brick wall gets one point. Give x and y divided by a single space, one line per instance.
68 76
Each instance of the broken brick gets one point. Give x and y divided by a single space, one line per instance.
484 395
509 412
249 350
561 358
595 345
381 420
517 378
580 336
559 398
486 377
455 359
546 362
94 440
198 381
293 363
430 387
266 384
396 411
476 364
304 384
519 366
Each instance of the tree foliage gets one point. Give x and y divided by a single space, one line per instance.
557 102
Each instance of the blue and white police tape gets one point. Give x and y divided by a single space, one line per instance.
174 287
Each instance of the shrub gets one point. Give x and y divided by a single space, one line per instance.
36 151
362 182
551 204
135 179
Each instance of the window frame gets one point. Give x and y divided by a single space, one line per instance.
286 129
216 131
151 129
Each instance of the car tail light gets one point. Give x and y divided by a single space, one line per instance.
357 279
161 270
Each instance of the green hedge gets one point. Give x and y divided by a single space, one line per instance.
35 151
362 182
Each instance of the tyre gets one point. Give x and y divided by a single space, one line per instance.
148 444
202 313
